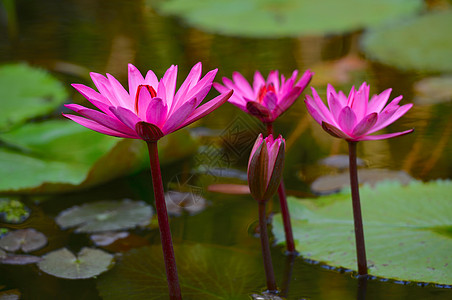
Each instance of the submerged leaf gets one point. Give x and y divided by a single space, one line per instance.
17 259
27 92
421 43
64 264
270 18
26 240
205 272
105 216
334 183
407 230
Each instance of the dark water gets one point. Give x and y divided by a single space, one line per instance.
71 38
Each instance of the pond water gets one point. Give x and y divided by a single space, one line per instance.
73 37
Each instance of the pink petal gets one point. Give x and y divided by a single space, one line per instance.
385 136
259 111
151 79
322 109
169 81
359 104
135 79
97 127
104 87
258 82
141 106
198 89
243 85
161 93
102 119
273 78
305 79
94 97
334 131
270 100
346 120
156 112
179 116
120 93
334 103
394 117
206 108
257 143
377 102
313 111
365 124
126 116
287 101
189 82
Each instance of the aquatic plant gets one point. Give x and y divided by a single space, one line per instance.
267 100
264 176
354 118
150 110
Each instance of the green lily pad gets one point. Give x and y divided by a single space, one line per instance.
26 240
17 259
27 92
13 211
105 216
408 230
205 272
64 264
56 156
277 18
421 43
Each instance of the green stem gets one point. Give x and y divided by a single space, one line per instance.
162 216
357 217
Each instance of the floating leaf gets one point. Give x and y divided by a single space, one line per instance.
27 92
408 230
421 43
64 264
105 216
229 188
107 238
339 161
334 183
10 295
61 155
433 90
17 259
177 202
26 240
141 274
13 211
277 18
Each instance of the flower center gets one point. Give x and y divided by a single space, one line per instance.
151 91
264 90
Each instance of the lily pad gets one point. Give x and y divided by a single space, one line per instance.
408 230
334 183
27 240
27 92
421 43
17 259
105 216
10 295
278 18
13 211
107 238
205 272
64 264
56 156
177 202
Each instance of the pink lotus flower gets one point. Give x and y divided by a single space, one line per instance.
151 108
265 167
266 100
354 118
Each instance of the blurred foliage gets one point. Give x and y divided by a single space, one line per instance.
278 18
13 211
421 43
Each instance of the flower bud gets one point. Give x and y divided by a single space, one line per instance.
265 167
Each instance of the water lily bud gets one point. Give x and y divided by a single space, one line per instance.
265 167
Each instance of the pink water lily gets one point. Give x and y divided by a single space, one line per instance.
354 118
151 108
266 99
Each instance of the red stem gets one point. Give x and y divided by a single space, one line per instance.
162 216
271 283
284 208
358 221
